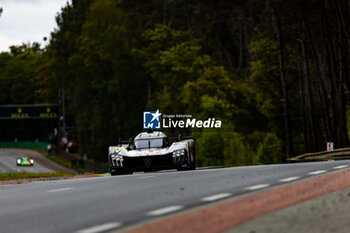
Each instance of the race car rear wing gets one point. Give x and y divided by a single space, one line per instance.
180 137
125 142
176 139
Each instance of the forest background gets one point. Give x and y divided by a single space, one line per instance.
276 73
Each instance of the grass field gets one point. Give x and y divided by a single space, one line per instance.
27 175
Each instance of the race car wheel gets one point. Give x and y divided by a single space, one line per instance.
114 172
186 164
192 156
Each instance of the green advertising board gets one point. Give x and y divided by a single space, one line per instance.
29 111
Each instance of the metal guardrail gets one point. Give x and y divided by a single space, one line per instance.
342 153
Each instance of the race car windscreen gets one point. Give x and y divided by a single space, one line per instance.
149 143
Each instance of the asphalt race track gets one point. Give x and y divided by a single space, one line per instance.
8 164
107 203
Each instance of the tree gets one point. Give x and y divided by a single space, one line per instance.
26 78
258 65
286 116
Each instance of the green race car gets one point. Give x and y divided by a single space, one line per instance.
25 161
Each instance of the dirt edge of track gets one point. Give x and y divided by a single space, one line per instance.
25 181
232 213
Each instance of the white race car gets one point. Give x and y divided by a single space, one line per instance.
152 151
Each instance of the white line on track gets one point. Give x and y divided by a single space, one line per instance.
216 197
145 177
289 179
341 166
317 172
59 190
100 228
255 187
164 210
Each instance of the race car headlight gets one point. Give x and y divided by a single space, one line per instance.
117 157
177 153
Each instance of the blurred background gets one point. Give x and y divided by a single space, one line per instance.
276 73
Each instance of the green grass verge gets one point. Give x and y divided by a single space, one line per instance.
55 157
60 160
28 175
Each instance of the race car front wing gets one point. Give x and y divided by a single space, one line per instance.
169 160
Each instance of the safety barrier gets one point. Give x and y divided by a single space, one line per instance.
25 144
343 153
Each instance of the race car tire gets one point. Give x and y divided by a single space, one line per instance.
114 172
191 164
193 151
